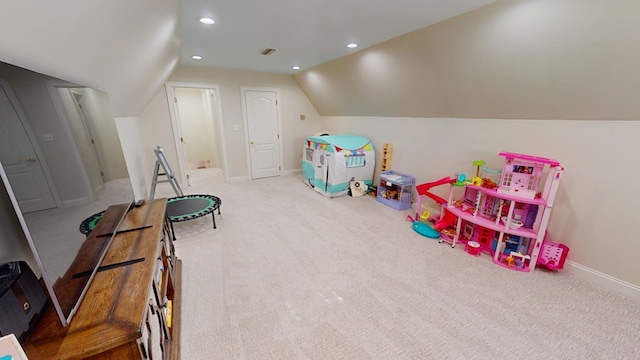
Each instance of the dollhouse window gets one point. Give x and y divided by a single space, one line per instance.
506 181
470 196
467 232
487 209
533 183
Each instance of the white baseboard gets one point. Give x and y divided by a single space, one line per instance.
75 202
603 280
292 172
247 178
238 179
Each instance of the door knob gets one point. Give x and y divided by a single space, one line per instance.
251 142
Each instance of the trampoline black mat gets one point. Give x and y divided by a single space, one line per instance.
187 207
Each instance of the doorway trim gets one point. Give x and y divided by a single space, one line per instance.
6 85
170 87
52 87
245 120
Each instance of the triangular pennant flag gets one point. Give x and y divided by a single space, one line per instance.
337 148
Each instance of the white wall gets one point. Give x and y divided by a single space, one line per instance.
99 110
133 149
293 102
596 206
514 59
156 130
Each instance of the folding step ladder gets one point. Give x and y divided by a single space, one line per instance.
162 162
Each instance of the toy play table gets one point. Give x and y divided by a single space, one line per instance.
473 248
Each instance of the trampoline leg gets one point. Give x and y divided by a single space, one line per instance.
172 231
213 216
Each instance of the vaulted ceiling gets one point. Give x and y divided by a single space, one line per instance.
130 48
304 33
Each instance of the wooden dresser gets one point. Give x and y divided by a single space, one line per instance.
131 309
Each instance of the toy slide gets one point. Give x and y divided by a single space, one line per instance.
423 189
447 220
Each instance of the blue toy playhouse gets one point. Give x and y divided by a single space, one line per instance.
329 162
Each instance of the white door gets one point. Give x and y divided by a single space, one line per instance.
19 158
261 112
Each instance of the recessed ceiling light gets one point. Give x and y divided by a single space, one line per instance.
196 57
207 21
352 45
296 68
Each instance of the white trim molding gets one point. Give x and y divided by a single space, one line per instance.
603 280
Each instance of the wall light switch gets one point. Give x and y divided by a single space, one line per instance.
47 137
236 127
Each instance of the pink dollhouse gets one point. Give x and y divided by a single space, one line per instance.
508 221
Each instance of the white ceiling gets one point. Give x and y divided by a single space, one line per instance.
303 32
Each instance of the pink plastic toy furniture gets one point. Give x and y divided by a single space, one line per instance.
553 255
473 248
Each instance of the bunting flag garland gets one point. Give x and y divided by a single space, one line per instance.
318 146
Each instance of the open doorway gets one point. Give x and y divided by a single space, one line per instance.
197 123
82 130
87 120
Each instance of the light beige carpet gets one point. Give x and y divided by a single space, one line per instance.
290 274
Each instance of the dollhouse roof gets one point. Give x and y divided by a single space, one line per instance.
537 159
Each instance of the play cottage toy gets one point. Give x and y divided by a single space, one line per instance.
507 219
330 162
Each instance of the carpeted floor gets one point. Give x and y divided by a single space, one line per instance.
290 274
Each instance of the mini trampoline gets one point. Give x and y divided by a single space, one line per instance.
189 207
